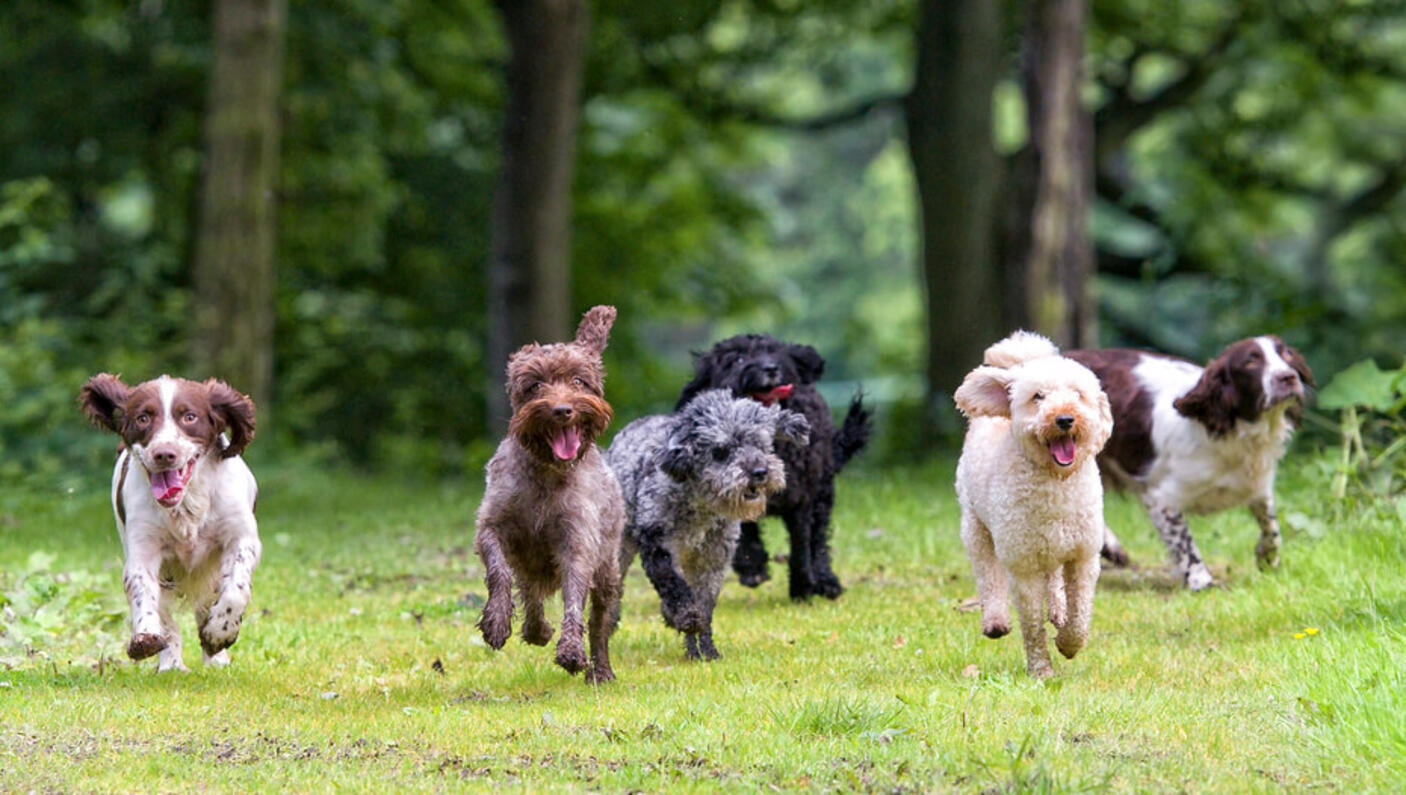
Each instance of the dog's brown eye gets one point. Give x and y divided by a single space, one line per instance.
536 385
189 417
143 419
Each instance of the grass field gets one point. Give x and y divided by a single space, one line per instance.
360 668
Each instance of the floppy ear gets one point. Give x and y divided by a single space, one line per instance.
234 411
792 426
676 462
704 371
809 364
102 398
595 328
984 393
1213 401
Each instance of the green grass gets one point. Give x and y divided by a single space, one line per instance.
369 591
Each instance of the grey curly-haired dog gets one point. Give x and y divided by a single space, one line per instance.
690 479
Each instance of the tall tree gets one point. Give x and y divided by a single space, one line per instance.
234 246
529 271
1056 271
957 173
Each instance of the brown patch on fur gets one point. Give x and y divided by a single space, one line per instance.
1130 446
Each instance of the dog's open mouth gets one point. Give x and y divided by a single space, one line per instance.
773 395
566 443
169 485
1062 450
754 493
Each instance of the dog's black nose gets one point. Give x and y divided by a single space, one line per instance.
562 411
771 368
1065 421
758 474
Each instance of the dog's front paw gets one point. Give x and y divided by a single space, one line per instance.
218 633
1057 613
572 657
1267 554
687 618
995 627
496 627
828 586
1198 577
143 645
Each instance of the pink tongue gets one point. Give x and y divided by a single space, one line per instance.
1063 451
566 443
775 394
166 485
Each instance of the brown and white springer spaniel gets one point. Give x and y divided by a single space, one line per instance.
1188 439
184 502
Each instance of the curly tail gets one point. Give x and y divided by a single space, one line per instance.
854 434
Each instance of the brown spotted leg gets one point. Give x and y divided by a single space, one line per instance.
1267 550
220 629
139 580
1171 525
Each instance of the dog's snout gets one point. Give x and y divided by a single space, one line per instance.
1065 421
163 456
758 473
1287 379
563 411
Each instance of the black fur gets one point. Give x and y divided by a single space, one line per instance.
751 365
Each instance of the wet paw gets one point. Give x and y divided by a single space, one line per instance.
599 675
571 657
995 629
536 633
143 645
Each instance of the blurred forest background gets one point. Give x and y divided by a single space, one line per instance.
353 209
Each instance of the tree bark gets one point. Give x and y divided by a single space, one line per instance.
957 174
233 269
1059 267
529 273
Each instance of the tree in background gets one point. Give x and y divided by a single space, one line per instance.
529 289
233 269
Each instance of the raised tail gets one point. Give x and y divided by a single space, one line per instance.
854 433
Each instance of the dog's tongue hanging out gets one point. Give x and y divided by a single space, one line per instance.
1063 451
168 485
774 394
566 443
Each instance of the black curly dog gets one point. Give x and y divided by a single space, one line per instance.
771 371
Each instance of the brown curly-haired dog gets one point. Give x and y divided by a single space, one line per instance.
552 512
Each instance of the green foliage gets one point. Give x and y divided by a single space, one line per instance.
1372 424
48 615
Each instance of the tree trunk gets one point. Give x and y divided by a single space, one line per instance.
957 174
233 271
529 285
1059 266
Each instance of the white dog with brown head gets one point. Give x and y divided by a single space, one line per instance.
1032 502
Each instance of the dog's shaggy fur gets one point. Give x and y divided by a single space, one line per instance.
1032 502
552 512
770 371
689 479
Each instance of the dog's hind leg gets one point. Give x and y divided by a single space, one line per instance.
170 657
1080 580
1029 592
798 527
1113 550
496 623
605 613
823 579
750 561
535 629
991 588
